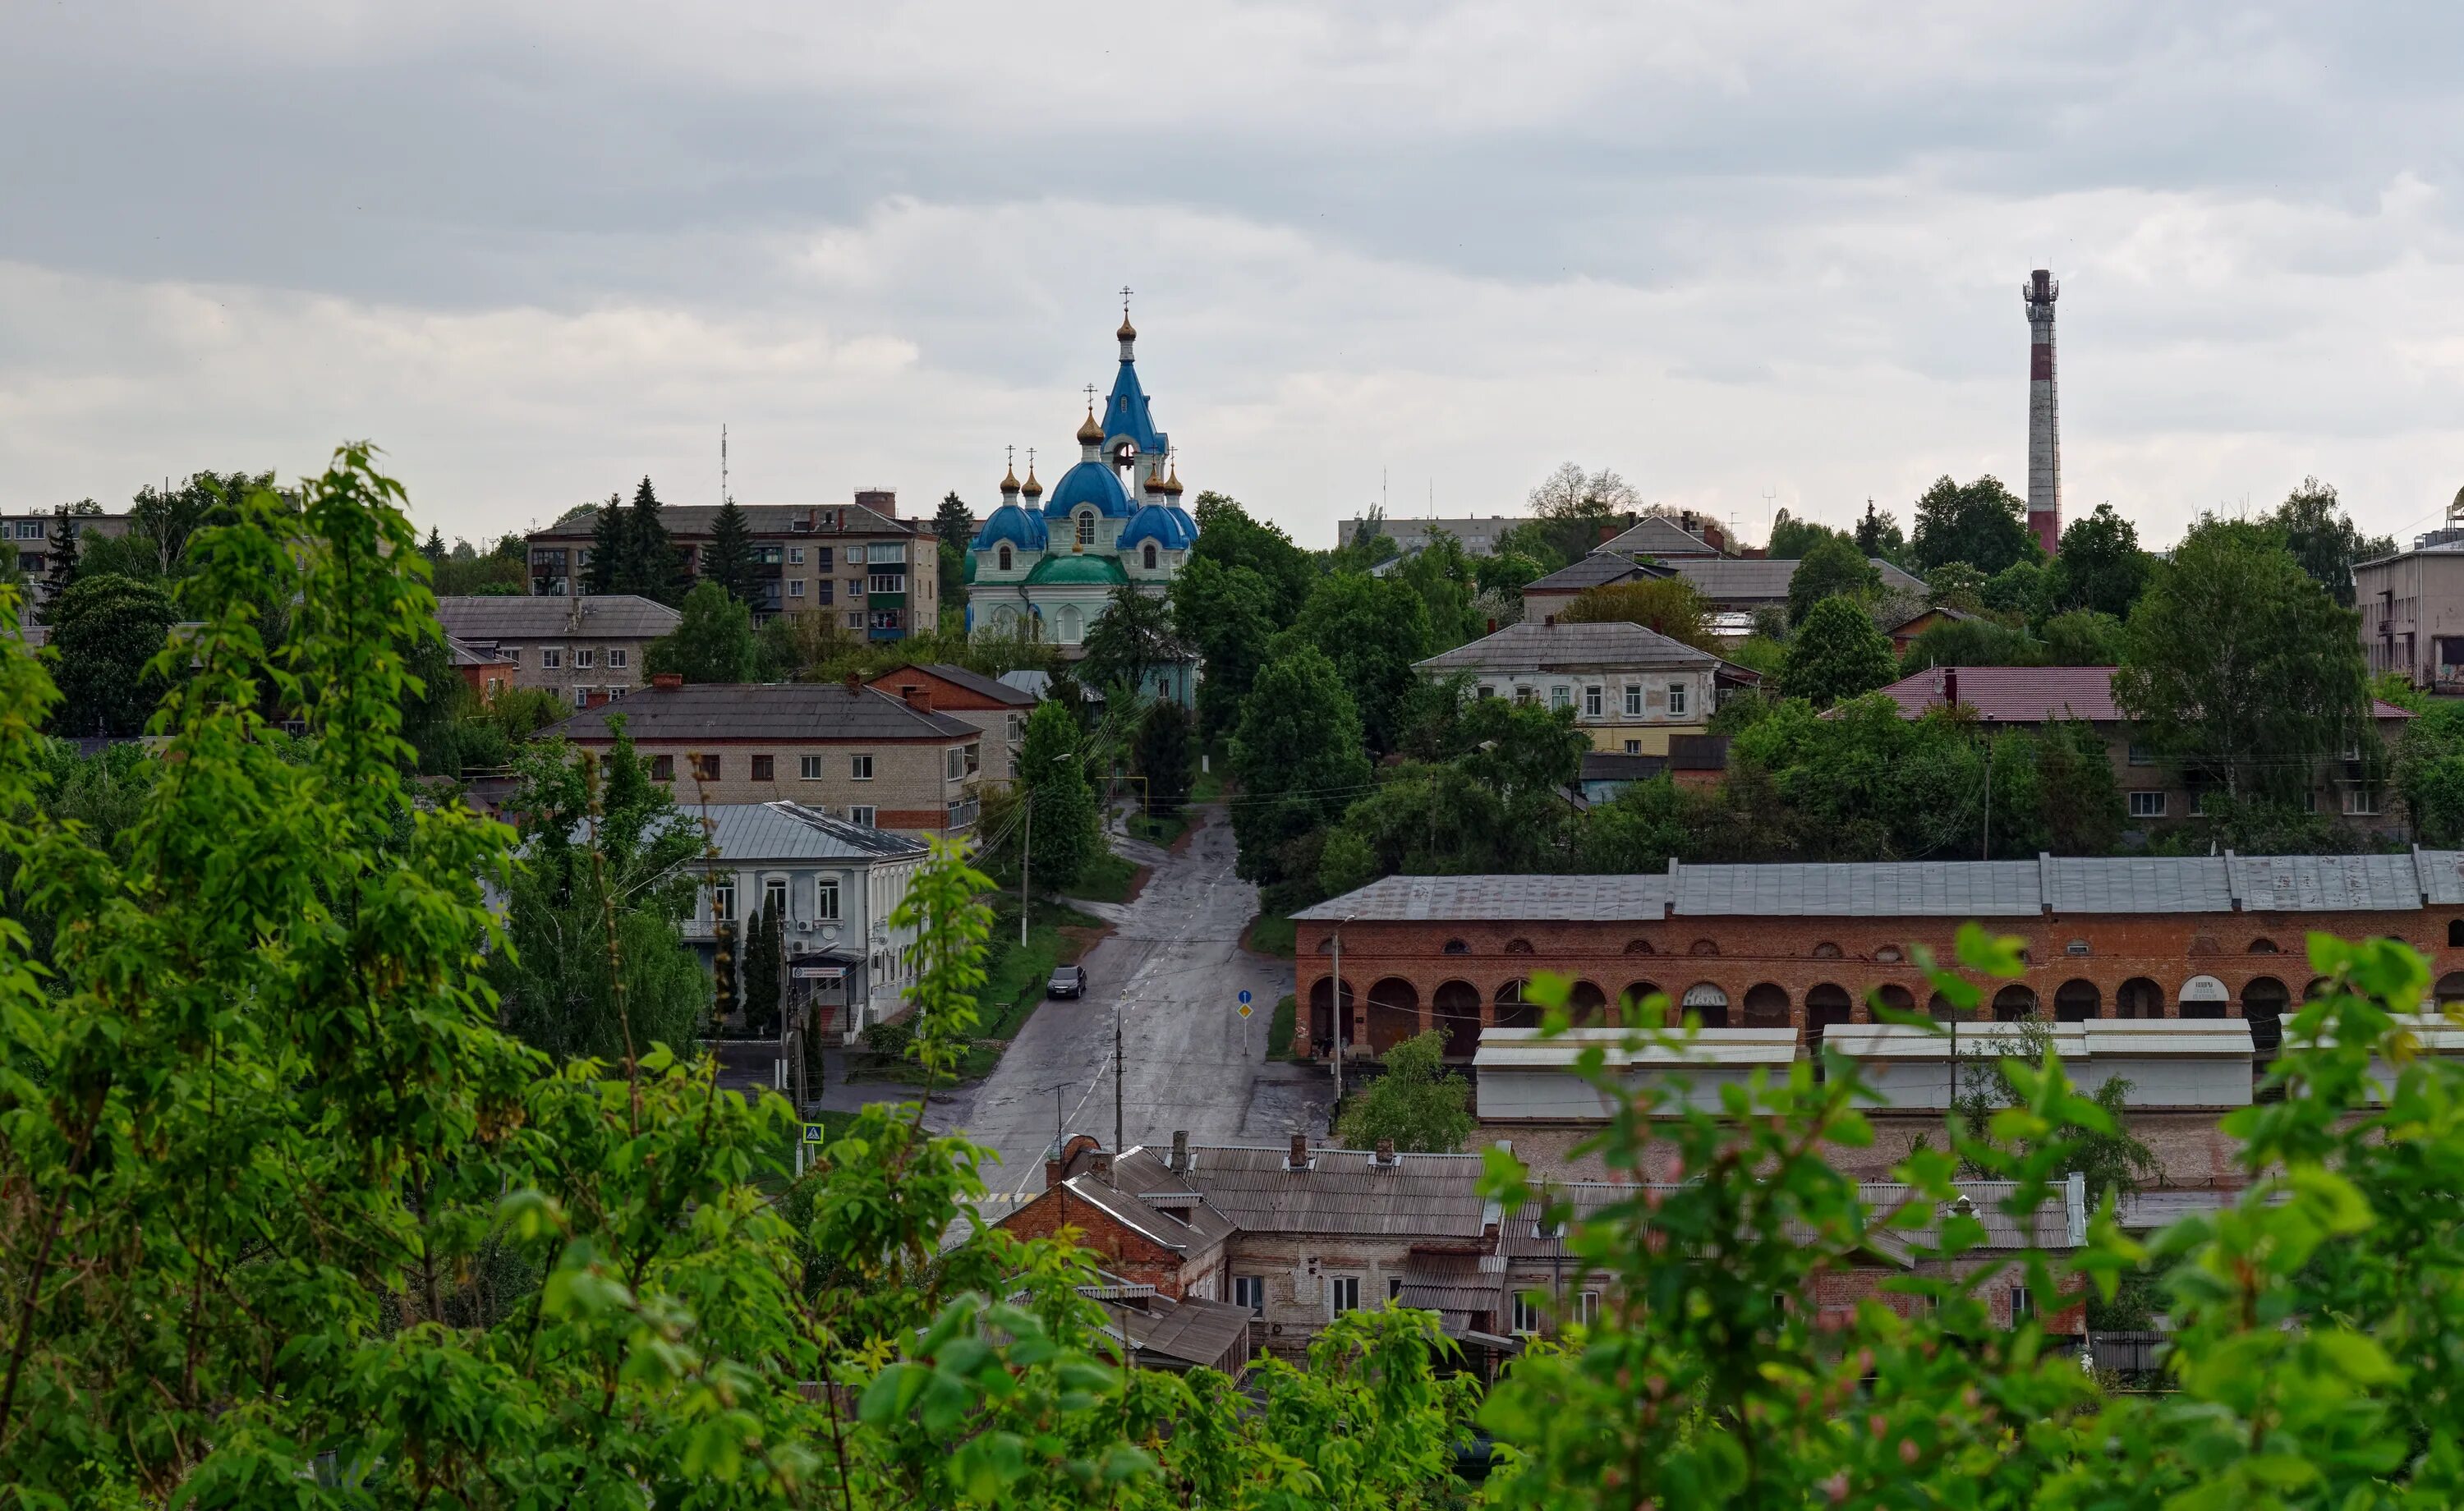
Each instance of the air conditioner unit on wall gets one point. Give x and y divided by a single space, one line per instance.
803 926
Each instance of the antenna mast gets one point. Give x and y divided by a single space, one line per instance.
722 464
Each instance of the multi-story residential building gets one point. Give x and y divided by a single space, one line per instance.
874 575
845 749
2153 793
996 707
1631 689
834 884
28 537
2412 612
1734 587
585 651
1478 535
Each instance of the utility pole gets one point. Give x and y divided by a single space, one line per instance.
1118 1141
1025 851
1986 852
1340 1025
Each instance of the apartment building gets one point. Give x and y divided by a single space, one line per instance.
2152 792
846 750
875 574
28 536
585 651
996 707
1632 689
2412 614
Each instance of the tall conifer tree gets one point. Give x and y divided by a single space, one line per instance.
653 568
609 550
728 560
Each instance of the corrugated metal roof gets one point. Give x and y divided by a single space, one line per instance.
1764 579
2325 883
1420 1196
2442 875
2137 885
747 832
1887 889
623 616
1593 571
766 710
1589 899
1546 647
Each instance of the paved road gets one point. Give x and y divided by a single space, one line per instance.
1174 965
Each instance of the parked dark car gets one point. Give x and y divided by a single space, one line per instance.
1068 980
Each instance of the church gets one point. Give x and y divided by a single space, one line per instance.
1046 565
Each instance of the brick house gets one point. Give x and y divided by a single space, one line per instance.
1631 689
585 651
2028 697
1294 1236
1798 947
876 576
484 670
851 752
996 707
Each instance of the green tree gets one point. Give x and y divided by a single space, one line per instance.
1133 639
1836 654
2081 800
2100 568
1065 834
712 642
1228 614
1449 590
108 633
1572 511
60 568
2322 538
953 524
2240 669
1793 539
1981 523
612 551
1672 606
1971 643
1877 535
1298 757
2015 590
1504 573
728 559
433 547
1830 567
1375 630
1639 830
169 518
1415 1102
759 972
1955 584
1227 536
2081 638
1162 753
502 571
651 565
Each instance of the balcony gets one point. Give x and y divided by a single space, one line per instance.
963 814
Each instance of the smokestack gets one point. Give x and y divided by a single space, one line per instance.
2045 433
1180 1151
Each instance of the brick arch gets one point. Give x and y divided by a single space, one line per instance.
1587 1007
1455 1008
1516 1008
2140 997
1897 997
1630 1009
2015 1003
1828 950
1706 1000
1639 947
1321 1010
2448 990
2077 1001
2262 947
1765 1005
2263 1001
1394 1013
1939 1008
1827 1006
1518 947
1704 946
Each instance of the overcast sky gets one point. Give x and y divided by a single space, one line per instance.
1749 255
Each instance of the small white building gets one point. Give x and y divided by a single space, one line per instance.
1525 1075
2172 1063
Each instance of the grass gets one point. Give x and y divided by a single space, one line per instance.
1209 785
1271 933
1107 879
1160 831
1015 976
1279 1028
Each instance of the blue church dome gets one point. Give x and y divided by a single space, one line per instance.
1021 527
1164 524
1089 483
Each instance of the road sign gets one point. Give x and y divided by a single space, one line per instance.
1245 998
815 1134
1244 1010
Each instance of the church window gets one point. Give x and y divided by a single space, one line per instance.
1150 555
1005 559
1069 623
1086 526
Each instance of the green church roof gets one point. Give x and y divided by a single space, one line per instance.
1063 571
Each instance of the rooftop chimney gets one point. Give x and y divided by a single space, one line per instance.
1052 1168
1180 1151
1492 626
853 682
1548 622
1949 685
881 500
919 697
1386 1153
667 681
1099 1164
1299 1159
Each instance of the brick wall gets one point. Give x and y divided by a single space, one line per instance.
910 788
1126 1252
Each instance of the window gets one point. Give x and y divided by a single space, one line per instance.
1005 559
663 768
2360 802
825 591
723 901
1561 697
795 555
762 768
1587 1309
860 767
1527 1315
1250 1291
883 582
1394 1288
1342 1294
887 619
1524 697
825 899
957 765
2140 755
1677 700
2146 804
551 657
617 658
2022 1305
861 815
1633 747
1086 527
774 896
855 621
583 657
821 556
1591 703
796 587
855 556
809 768
30 562
1150 555
1634 700
705 768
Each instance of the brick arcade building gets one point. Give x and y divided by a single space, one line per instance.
1800 946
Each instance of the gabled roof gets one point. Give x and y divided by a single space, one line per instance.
466 654
790 831
521 617
1593 571
1764 579
1344 1191
1498 899
1657 535
1547 647
975 682
766 711
2032 694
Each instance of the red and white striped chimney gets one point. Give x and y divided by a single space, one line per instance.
2044 436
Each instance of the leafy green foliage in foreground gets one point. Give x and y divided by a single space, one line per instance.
286 1218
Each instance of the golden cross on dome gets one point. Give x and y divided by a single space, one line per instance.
1090 398
1009 454
1125 301
1030 461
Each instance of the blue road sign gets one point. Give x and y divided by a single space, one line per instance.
1244 998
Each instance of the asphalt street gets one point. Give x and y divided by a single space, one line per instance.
1172 968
